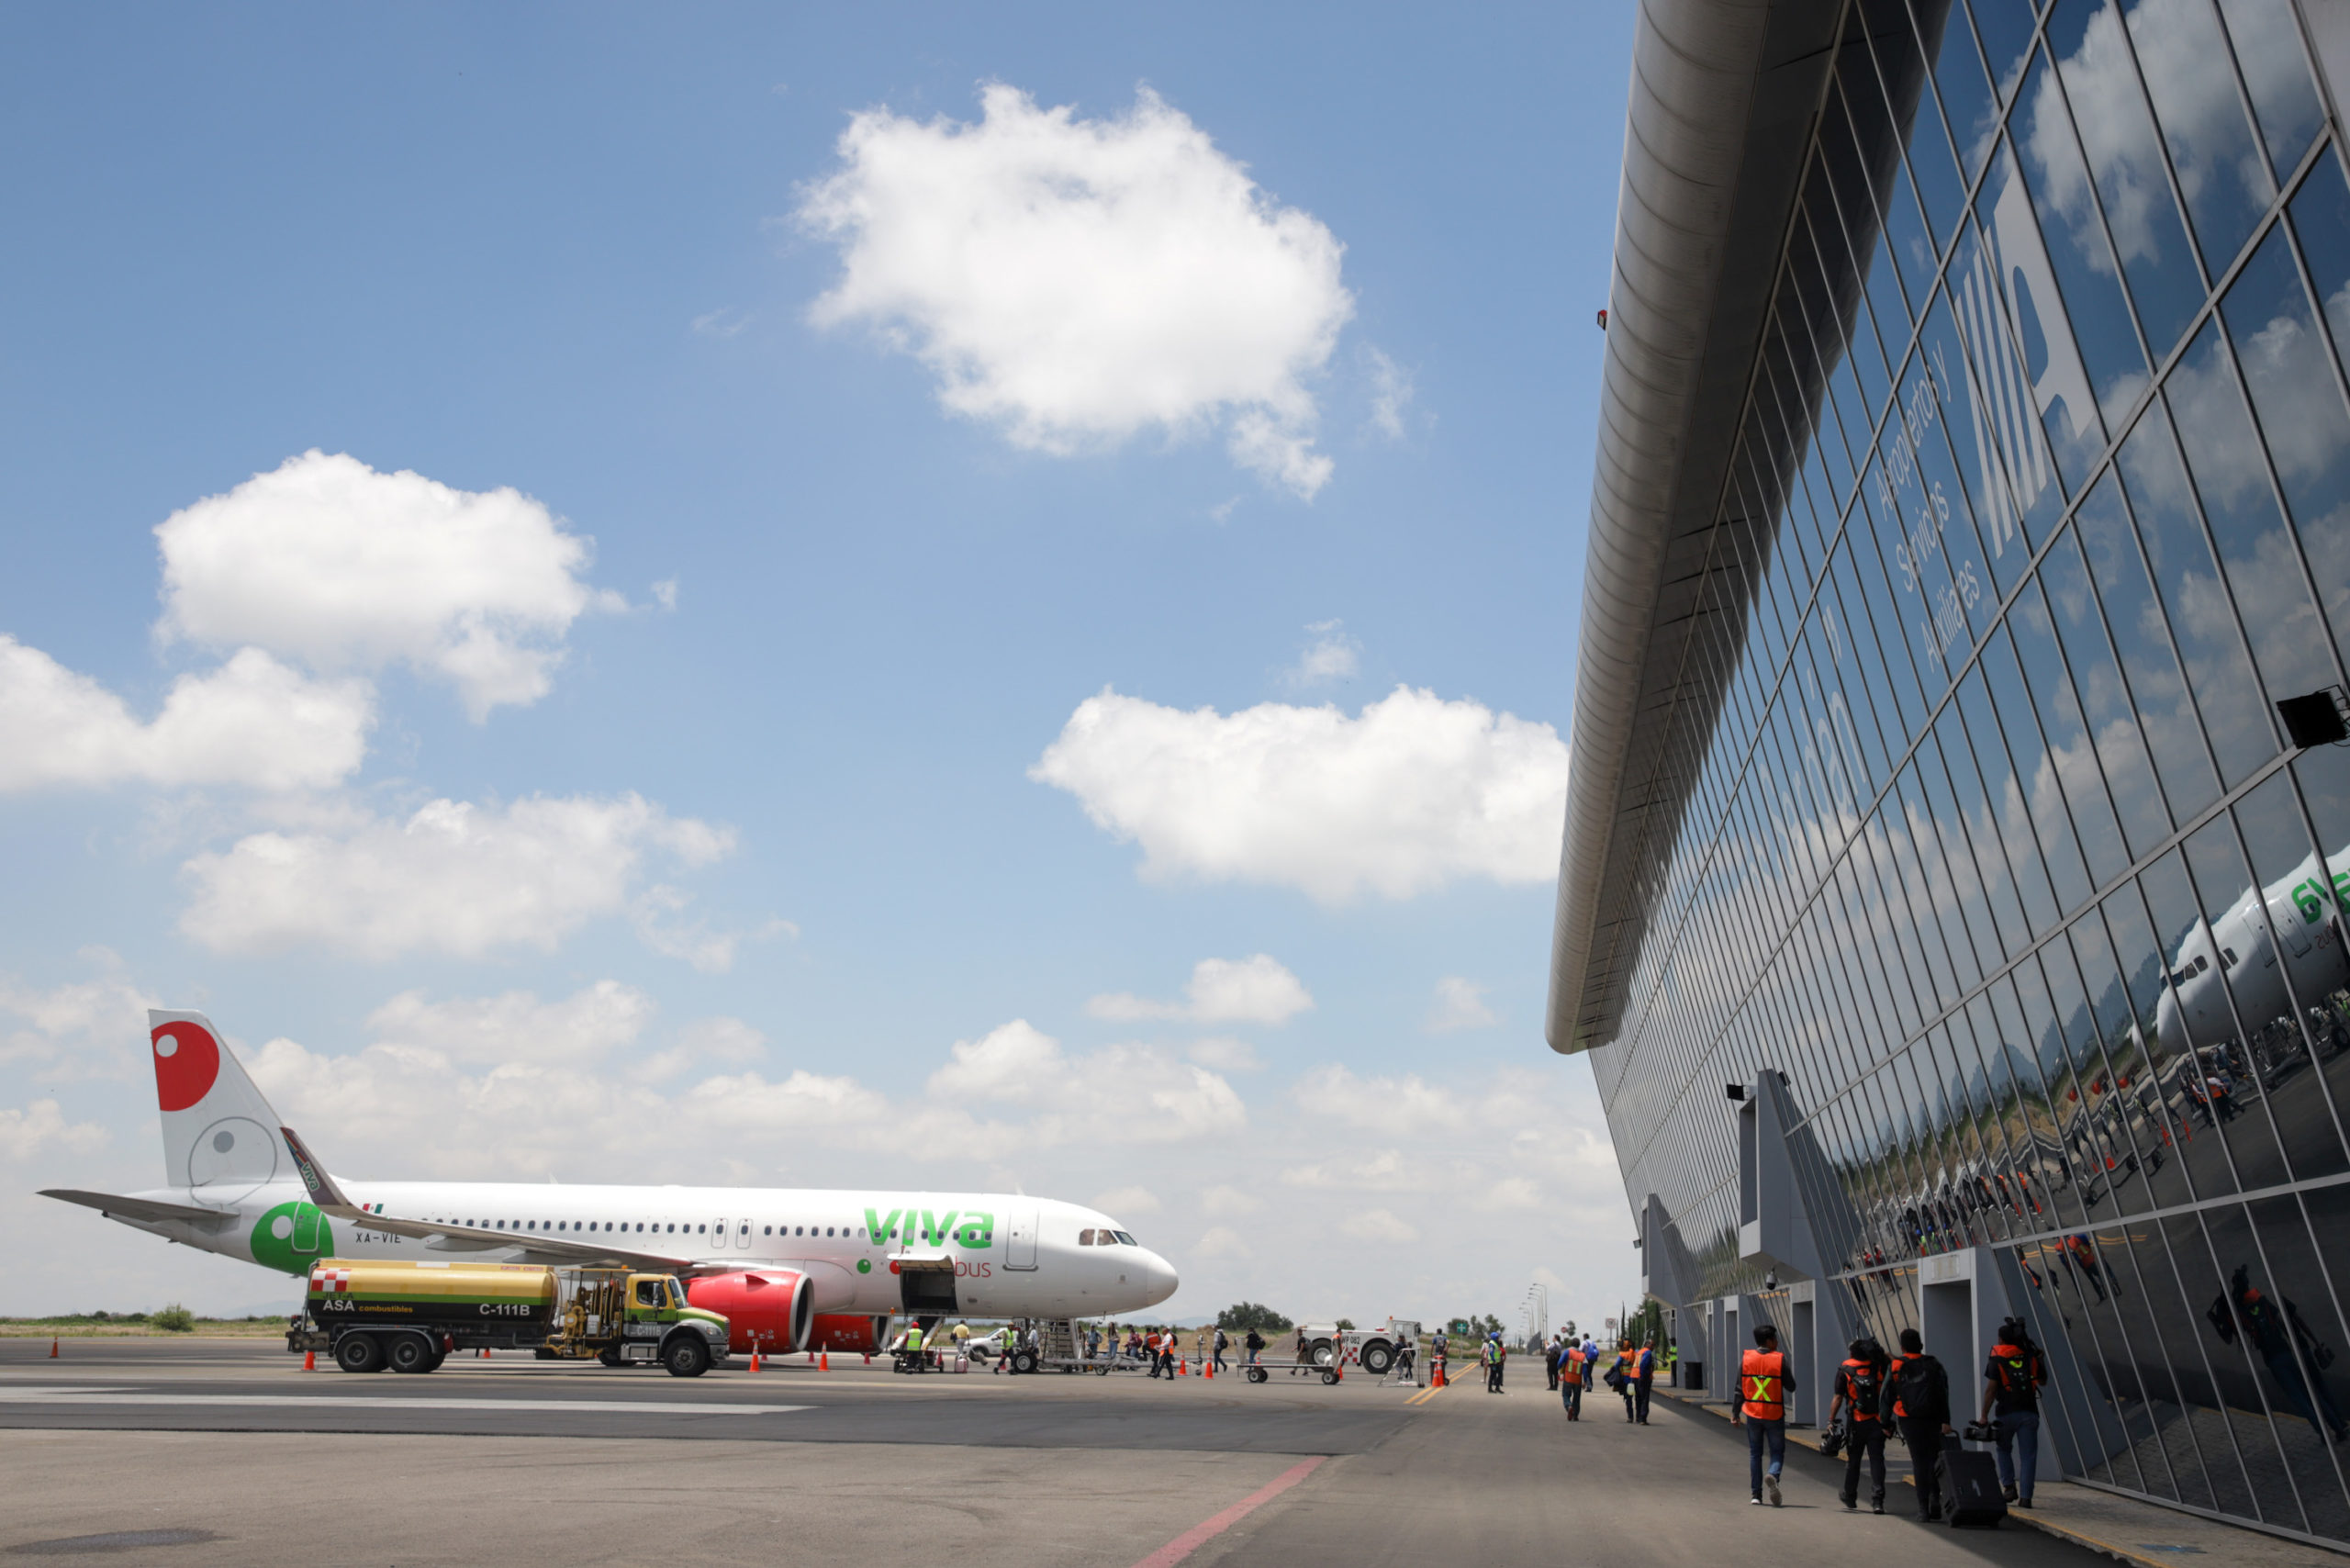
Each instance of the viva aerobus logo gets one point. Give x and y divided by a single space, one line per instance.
977 1229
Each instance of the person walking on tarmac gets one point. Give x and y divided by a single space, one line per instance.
1764 1382
1642 1382
1550 1353
1572 1368
1496 1353
1255 1345
2012 1381
1917 1395
1860 1391
1222 1343
913 1345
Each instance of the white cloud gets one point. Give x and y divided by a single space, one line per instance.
1144 1094
1076 282
1414 793
1391 394
1331 656
42 1124
94 1028
656 912
1221 1241
727 1040
1255 990
1459 1005
348 569
252 721
454 878
1229 1200
1126 1200
1226 1054
723 322
1378 1224
1385 1170
586 1026
1398 1106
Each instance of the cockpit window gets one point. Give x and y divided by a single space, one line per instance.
1124 1238
1085 1237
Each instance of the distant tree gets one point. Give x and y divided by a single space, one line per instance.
1243 1316
1345 1325
174 1319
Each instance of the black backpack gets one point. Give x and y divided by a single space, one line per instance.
1861 1388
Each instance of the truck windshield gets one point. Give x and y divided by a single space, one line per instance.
677 1293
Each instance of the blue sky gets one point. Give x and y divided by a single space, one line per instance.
1316 371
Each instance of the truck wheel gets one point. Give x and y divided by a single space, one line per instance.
609 1356
359 1354
1024 1360
1377 1357
409 1353
1323 1353
686 1356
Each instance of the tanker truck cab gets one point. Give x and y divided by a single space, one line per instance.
657 1324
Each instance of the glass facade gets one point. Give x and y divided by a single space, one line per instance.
1997 847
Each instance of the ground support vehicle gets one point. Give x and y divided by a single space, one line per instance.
411 1316
1378 1349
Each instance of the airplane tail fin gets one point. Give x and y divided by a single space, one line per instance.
220 1137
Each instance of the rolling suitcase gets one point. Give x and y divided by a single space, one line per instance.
1971 1498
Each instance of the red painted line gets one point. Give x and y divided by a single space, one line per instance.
1200 1534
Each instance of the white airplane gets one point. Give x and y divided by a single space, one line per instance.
791 1268
2193 1009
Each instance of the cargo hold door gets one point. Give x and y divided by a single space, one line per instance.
926 1285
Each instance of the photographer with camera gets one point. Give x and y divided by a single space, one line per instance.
2011 1382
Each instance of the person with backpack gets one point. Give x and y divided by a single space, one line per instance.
1764 1380
1550 1353
1222 1343
1916 1399
1642 1371
1254 1345
1573 1372
2011 1381
1860 1390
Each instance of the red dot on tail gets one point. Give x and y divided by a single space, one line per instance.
188 1058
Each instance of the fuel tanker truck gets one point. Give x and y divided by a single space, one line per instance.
409 1316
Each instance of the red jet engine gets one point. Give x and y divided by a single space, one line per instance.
851 1333
768 1309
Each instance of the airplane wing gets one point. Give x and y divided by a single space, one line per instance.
536 1249
146 1209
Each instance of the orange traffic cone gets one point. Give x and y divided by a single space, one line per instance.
824 1361
1209 1368
52 1347
755 1355
309 1360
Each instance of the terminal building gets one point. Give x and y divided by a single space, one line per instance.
1958 843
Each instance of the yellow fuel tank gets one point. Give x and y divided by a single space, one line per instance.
515 1295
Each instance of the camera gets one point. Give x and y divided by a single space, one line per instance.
1980 1432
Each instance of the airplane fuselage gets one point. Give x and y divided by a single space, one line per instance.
1010 1256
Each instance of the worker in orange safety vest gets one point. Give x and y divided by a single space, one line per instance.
1764 1380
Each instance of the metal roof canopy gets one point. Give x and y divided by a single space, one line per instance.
1724 96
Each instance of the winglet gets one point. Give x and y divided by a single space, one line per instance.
323 1191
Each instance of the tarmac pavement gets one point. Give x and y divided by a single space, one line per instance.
571 1464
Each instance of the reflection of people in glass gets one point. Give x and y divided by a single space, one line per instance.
2083 1252
2272 1334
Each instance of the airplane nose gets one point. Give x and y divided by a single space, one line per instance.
1160 1279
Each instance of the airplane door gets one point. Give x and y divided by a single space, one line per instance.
306 1229
1020 1243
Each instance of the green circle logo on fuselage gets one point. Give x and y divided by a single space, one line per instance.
292 1237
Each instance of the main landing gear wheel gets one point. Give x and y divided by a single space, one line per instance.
359 1354
411 1354
686 1356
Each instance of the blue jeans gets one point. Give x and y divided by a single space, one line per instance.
2019 1449
1758 1433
